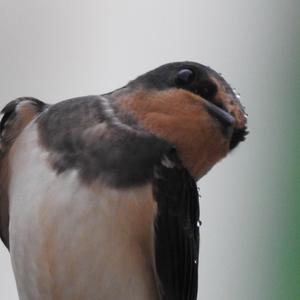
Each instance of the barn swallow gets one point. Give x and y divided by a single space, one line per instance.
98 195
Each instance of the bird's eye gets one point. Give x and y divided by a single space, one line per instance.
184 76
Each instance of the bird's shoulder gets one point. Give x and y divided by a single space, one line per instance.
15 116
94 136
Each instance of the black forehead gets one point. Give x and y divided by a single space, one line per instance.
164 76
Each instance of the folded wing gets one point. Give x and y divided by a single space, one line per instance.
176 230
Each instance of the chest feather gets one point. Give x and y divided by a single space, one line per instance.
72 241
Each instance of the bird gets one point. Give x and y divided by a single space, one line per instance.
98 194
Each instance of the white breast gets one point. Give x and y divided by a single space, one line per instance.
71 241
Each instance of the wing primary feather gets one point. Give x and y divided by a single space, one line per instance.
176 230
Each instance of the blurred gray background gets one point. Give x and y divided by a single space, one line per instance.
59 49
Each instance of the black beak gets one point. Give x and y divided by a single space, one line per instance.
228 121
221 114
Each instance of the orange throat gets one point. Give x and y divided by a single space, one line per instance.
181 118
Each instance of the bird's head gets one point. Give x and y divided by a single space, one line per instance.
192 107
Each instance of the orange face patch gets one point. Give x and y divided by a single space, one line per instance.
181 118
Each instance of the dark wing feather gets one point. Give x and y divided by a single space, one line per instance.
176 230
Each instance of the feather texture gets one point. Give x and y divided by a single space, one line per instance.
176 230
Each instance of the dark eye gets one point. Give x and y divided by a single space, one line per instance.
184 76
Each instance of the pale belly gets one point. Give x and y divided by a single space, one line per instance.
71 241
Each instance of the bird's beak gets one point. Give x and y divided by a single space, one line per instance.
240 131
227 108
222 115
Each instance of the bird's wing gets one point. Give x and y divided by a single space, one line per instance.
16 115
176 230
